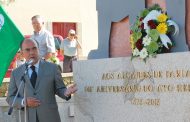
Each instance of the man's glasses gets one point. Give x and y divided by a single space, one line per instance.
30 49
72 34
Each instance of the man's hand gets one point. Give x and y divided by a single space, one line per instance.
49 55
71 90
32 102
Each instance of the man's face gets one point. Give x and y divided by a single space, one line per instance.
71 36
30 51
37 24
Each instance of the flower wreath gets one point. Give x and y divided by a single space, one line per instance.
150 33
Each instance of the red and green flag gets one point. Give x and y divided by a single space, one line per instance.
10 39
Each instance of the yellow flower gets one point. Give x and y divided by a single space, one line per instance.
162 28
162 18
132 42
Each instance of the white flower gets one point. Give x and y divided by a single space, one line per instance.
135 52
143 53
146 40
151 16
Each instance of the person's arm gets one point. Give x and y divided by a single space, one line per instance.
79 44
60 87
48 55
50 46
19 103
62 48
12 93
61 52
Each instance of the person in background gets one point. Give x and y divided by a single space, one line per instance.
12 66
69 47
19 59
43 37
42 82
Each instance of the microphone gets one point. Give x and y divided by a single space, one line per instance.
29 62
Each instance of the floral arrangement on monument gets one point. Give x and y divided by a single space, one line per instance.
151 32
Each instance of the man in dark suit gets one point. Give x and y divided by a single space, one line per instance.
42 82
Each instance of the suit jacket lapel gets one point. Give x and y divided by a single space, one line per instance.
40 73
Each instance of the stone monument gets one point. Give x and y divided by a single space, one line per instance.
121 90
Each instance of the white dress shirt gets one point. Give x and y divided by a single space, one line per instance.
29 74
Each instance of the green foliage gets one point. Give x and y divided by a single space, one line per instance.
144 13
155 7
137 36
153 47
154 34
